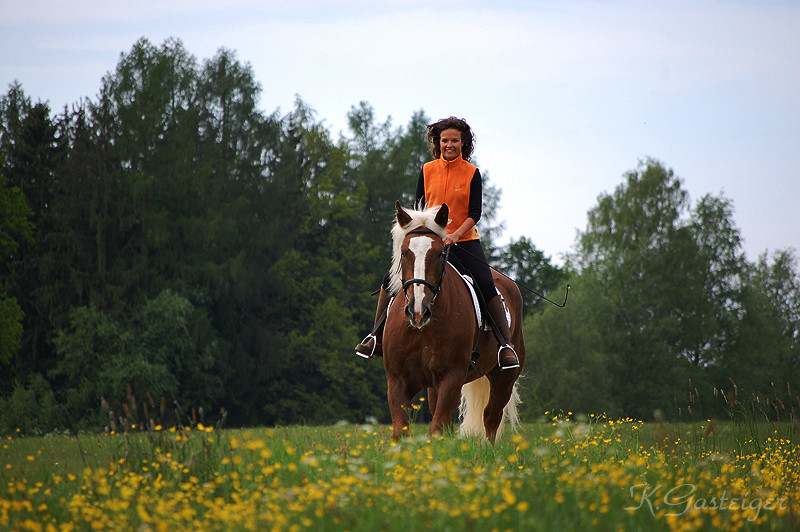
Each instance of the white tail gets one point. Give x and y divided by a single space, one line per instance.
474 398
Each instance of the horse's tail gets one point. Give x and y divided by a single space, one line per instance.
474 398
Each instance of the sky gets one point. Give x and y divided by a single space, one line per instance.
564 97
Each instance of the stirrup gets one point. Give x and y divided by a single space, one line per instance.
513 365
364 341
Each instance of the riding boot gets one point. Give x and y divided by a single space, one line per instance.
371 344
506 356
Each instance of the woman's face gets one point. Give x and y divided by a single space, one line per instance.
450 144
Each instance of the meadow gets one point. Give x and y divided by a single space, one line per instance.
565 472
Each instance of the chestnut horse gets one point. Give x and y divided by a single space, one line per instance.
431 331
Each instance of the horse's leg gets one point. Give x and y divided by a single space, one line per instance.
447 399
432 400
399 403
499 395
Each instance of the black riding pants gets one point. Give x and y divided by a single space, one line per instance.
468 257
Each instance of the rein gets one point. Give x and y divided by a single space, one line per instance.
434 287
534 292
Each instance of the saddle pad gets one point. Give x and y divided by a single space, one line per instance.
478 311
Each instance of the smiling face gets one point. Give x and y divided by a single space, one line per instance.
450 144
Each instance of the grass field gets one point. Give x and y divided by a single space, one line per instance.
563 473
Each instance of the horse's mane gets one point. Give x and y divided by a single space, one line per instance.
419 219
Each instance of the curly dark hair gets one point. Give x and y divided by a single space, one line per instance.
435 134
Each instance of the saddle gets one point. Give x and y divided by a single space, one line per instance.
477 300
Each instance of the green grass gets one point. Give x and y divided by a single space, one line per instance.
558 474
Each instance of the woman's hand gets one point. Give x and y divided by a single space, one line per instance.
451 239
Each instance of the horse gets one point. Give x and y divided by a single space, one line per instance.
431 331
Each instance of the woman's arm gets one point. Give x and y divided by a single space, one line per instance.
475 198
419 196
456 235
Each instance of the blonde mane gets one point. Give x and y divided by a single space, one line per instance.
419 219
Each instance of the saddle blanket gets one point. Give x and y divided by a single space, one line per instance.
485 325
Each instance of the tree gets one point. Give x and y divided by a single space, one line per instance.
31 407
147 114
14 105
665 278
384 165
766 349
528 266
708 304
14 226
629 248
568 367
35 150
318 283
157 349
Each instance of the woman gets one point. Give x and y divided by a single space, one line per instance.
450 178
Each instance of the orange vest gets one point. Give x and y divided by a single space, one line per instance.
448 182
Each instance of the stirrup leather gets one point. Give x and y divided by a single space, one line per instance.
512 366
364 341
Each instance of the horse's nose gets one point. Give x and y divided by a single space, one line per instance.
426 315
418 318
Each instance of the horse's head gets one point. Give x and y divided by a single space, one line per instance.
420 259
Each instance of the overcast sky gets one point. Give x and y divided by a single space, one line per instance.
564 97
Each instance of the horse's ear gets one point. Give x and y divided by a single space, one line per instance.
441 216
403 218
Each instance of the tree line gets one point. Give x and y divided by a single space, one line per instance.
168 239
668 318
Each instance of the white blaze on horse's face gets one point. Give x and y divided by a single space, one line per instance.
418 308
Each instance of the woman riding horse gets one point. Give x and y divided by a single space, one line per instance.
432 339
451 179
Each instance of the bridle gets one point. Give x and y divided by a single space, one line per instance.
434 287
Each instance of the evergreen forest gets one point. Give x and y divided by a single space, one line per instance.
171 241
